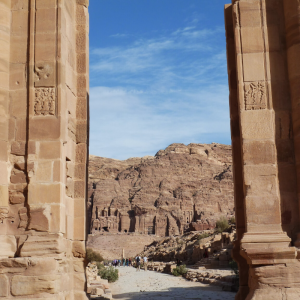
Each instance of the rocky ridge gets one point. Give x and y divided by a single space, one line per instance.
181 188
190 247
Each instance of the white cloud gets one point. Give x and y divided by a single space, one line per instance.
154 92
119 35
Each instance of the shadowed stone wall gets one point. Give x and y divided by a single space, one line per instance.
263 53
43 148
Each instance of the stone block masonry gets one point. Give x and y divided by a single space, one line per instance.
43 148
263 54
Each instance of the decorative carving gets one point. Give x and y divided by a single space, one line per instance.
44 103
255 95
44 74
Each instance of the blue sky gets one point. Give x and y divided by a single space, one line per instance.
157 75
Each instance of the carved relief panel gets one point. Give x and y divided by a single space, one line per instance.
44 101
255 95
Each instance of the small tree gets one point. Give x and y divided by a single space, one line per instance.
92 255
222 224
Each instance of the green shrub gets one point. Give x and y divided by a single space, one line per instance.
222 224
109 273
232 220
179 270
92 255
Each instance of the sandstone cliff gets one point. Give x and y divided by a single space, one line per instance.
181 188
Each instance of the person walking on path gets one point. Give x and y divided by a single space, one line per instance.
138 263
126 262
123 262
129 261
145 262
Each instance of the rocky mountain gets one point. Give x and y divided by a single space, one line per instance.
181 188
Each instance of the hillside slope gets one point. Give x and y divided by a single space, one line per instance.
179 189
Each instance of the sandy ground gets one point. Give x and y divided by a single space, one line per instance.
152 285
111 245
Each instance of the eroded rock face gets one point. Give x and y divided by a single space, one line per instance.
181 188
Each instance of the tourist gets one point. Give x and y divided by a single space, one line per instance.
126 262
138 263
130 262
145 262
123 262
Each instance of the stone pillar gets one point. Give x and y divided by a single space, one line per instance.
292 23
239 199
43 148
263 148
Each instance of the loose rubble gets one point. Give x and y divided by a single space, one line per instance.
97 287
189 249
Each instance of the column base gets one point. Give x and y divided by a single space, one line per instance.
277 282
242 293
274 271
267 248
243 271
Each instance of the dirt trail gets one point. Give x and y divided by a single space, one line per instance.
151 285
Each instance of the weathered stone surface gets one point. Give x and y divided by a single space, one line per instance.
78 249
39 219
41 266
8 246
4 286
31 285
43 245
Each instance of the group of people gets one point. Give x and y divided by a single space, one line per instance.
128 262
124 262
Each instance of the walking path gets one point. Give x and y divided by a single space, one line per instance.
150 285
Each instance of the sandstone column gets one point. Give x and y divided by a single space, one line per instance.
239 199
43 192
268 170
292 22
